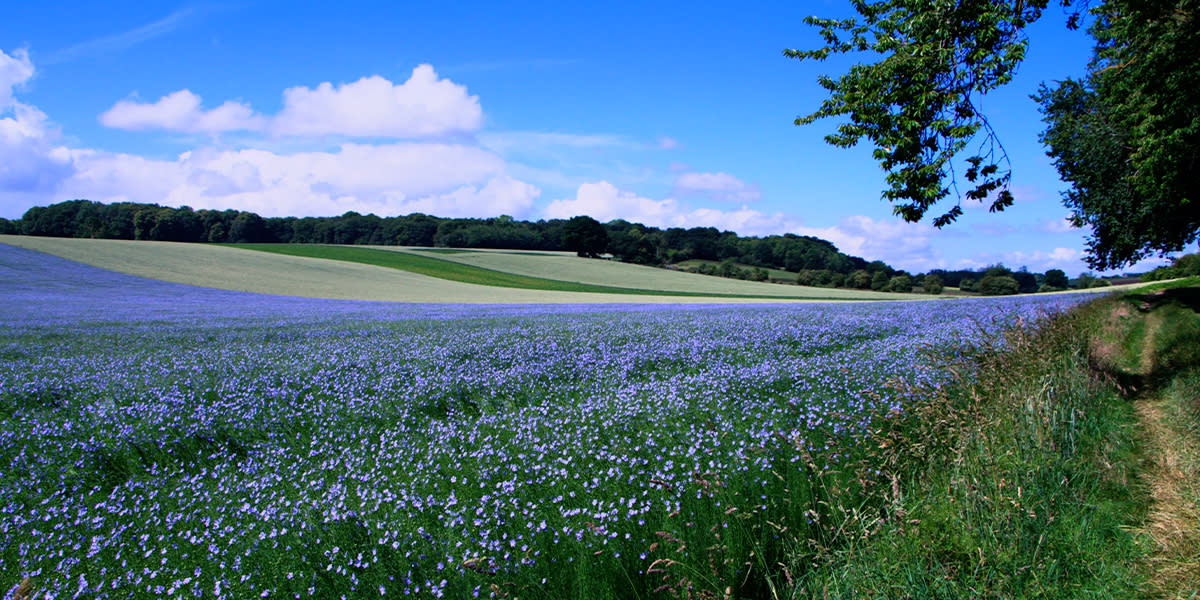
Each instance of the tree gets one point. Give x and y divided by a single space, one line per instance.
859 280
998 285
879 281
1127 138
901 284
1057 279
585 236
932 284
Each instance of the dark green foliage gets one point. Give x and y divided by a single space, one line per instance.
932 284
1056 279
1126 137
1087 281
901 284
1026 281
879 281
8 227
1187 265
967 284
998 285
585 236
628 242
859 280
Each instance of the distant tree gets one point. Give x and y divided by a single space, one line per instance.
1056 279
1188 265
7 227
879 281
1026 282
932 284
998 285
900 283
968 284
1087 281
859 280
585 236
247 227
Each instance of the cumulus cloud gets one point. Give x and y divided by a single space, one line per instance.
716 186
422 107
31 163
442 179
1067 259
900 244
180 111
604 202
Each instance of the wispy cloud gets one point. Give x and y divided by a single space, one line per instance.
126 39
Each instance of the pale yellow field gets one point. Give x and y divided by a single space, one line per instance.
250 271
565 266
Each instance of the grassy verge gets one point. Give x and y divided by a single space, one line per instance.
1033 474
454 271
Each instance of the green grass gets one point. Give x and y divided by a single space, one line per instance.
1023 479
463 273
568 267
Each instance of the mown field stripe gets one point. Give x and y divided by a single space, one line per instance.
454 271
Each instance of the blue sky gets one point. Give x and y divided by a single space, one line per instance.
671 114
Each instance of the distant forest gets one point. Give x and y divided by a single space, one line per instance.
813 261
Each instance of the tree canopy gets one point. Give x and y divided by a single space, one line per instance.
1125 138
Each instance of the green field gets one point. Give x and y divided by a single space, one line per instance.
460 272
568 267
426 275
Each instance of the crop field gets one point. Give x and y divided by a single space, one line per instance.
568 267
165 440
362 273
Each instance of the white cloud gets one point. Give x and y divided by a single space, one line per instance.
423 106
898 243
31 164
666 143
442 179
1068 259
716 186
180 111
604 202
501 195
15 70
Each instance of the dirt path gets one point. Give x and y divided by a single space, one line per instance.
1173 520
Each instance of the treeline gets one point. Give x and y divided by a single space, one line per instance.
807 260
629 242
1187 265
